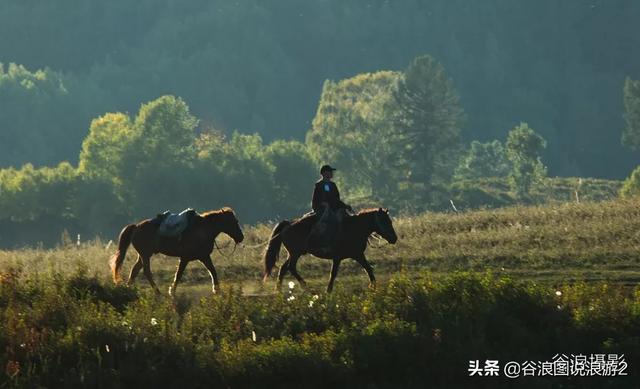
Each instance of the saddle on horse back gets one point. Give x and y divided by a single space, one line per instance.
174 224
326 231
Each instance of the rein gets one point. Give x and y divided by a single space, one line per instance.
235 245
376 236
255 246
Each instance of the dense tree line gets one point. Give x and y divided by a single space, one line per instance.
395 135
133 168
259 68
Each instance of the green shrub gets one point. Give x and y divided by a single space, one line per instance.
412 331
631 186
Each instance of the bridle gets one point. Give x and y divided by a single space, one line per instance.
235 245
375 235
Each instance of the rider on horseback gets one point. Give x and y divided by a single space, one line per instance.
330 212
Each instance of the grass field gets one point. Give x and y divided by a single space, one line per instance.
551 244
521 282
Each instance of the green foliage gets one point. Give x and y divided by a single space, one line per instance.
293 172
631 131
257 67
29 100
429 118
524 147
631 186
352 130
391 134
158 156
483 160
30 193
103 150
411 332
131 169
165 131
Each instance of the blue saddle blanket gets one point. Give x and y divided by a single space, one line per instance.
174 224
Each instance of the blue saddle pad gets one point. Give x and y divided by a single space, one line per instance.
174 224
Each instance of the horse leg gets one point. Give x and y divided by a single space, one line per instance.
282 272
362 260
146 264
293 261
212 271
181 266
135 270
334 273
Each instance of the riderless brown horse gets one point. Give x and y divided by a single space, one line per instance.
197 242
351 244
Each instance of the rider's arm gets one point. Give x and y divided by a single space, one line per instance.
316 198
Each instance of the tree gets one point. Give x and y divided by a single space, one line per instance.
156 162
429 117
352 130
235 172
483 160
524 147
32 193
631 132
631 186
103 149
293 172
165 130
40 123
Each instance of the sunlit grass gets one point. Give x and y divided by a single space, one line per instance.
552 242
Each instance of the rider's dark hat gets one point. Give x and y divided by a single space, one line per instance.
326 168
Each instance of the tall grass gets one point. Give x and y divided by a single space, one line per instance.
76 330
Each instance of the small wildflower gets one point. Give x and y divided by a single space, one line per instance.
291 284
558 293
559 307
154 321
310 303
253 336
315 297
291 298
125 324
106 347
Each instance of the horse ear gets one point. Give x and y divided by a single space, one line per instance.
379 209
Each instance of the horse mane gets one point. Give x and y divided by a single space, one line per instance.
367 211
220 211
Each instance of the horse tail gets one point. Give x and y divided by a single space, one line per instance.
272 252
118 258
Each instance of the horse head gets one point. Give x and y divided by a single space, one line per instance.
383 225
229 224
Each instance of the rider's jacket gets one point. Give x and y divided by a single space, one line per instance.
326 191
